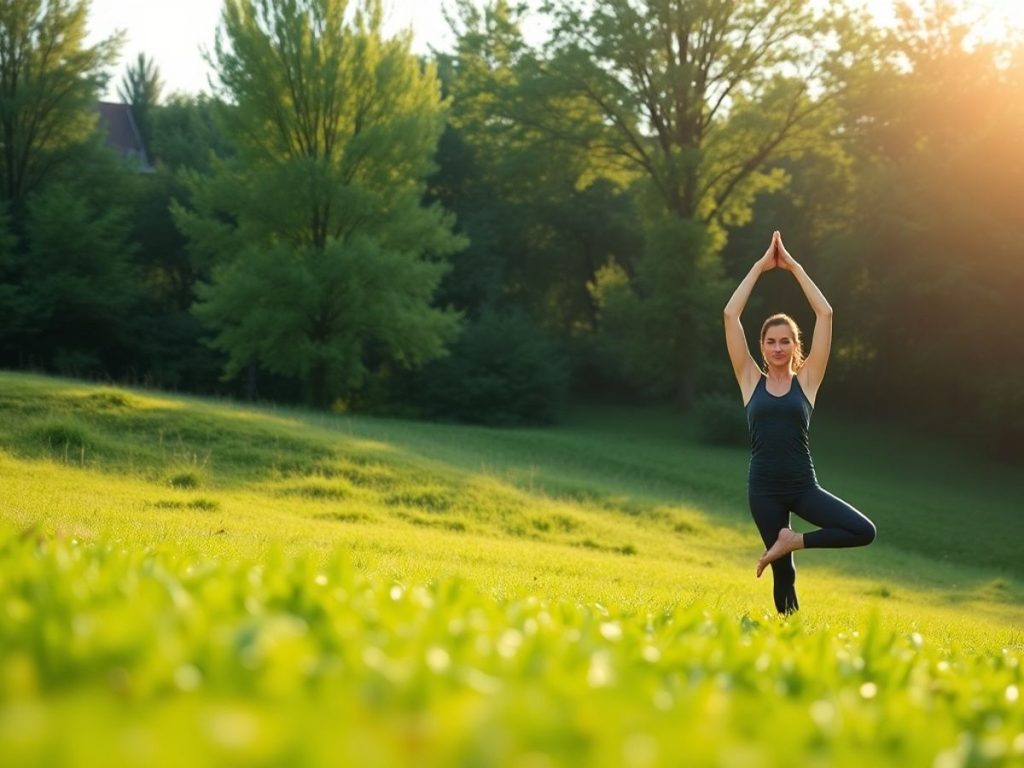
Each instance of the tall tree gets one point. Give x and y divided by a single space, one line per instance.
78 285
324 258
66 280
699 99
49 83
541 219
698 96
934 261
141 87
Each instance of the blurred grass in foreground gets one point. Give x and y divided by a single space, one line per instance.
161 658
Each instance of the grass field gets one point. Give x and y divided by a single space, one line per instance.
187 581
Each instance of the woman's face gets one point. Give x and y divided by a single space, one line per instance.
778 345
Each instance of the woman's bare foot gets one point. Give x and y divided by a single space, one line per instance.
788 541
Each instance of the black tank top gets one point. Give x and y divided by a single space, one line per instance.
780 455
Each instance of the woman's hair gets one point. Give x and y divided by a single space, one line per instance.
798 347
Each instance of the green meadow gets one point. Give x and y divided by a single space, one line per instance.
187 581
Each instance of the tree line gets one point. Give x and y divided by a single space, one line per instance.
483 232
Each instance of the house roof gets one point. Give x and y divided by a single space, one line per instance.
123 134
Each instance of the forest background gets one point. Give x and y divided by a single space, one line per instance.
487 232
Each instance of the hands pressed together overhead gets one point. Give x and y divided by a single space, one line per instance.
777 255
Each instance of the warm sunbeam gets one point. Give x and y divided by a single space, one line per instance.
991 19
1001 17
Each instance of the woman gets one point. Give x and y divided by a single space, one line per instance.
779 401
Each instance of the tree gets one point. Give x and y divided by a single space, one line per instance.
72 309
324 258
10 304
49 84
698 97
700 100
541 220
933 259
187 133
140 87
66 282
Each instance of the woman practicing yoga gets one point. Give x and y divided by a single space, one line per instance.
779 401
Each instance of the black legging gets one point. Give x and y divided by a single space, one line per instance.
839 525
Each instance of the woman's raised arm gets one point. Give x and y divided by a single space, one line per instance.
743 365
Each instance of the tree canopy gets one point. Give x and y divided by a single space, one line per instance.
324 257
557 204
49 83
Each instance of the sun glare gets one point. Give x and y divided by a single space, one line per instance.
998 18
1012 11
992 19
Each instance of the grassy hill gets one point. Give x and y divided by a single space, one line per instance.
281 582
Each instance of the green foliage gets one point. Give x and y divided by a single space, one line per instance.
720 419
693 95
49 83
541 215
77 288
597 176
660 325
619 324
931 268
65 280
698 101
501 370
361 292
172 353
324 257
187 134
10 304
140 88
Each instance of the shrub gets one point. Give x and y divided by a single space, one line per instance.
502 370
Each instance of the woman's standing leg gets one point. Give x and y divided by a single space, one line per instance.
771 514
839 524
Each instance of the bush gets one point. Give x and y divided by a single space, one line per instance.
501 370
720 420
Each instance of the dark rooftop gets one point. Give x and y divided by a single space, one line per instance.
123 134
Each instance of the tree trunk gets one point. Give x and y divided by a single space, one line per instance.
250 382
318 396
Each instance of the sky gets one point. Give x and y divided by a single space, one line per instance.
174 33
